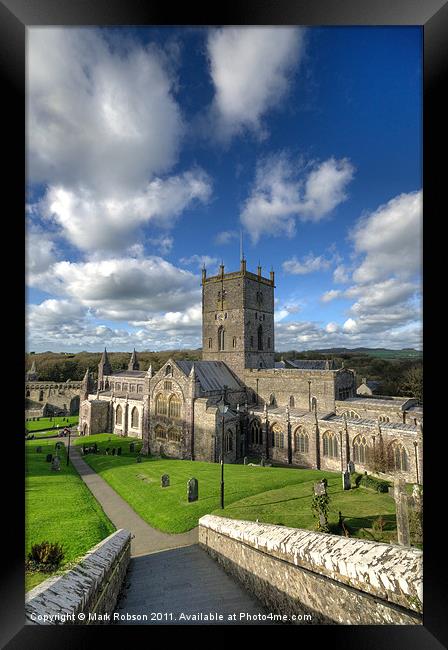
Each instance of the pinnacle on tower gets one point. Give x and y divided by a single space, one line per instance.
133 362
149 371
104 367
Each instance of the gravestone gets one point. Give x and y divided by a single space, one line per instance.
113 451
351 467
245 460
402 512
107 451
320 489
56 464
57 445
49 458
119 451
346 483
139 459
165 480
132 447
262 463
95 447
192 490
38 450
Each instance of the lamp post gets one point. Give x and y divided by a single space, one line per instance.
68 448
223 408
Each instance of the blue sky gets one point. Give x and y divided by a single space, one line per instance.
149 150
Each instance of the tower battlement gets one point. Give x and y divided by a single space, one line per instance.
238 318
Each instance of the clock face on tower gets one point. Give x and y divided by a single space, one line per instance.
220 316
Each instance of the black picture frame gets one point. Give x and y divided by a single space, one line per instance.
432 16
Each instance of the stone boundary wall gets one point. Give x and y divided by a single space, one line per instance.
337 580
87 594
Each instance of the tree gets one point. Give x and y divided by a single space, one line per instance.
412 383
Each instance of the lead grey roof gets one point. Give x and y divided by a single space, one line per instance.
132 374
212 375
366 422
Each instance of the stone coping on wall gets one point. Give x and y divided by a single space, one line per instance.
390 572
91 586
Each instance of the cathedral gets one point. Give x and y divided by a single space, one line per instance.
238 402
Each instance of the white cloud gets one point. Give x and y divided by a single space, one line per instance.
341 274
280 196
124 288
162 244
226 237
331 328
309 264
99 110
390 239
41 251
350 325
91 222
251 69
200 261
328 296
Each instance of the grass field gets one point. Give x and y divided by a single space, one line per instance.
59 508
269 494
43 423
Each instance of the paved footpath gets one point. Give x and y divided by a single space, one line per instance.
169 575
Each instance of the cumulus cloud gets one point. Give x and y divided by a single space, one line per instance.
309 264
226 237
91 222
341 275
251 70
123 288
281 195
41 251
99 109
390 239
200 261
328 296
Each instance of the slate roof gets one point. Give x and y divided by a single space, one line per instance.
212 375
365 422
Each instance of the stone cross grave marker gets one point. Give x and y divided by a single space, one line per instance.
402 512
245 460
192 490
346 483
320 489
56 464
165 480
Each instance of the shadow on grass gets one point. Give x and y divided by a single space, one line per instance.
356 523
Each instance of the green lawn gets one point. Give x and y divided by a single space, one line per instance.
269 494
59 508
43 423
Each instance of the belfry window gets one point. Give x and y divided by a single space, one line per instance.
221 338
260 337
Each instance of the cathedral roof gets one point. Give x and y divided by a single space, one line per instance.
306 364
130 373
212 375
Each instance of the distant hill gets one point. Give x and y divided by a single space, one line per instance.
385 353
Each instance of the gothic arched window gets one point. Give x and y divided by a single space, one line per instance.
330 443
174 407
301 441
398 457
159 431
174 434
351 414
255 432
260 337
168 370
234 342
221 338
161 404
118 415
228 441
134 418
360 449
384 418
292 402
278 437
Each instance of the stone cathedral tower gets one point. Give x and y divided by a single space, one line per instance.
238 318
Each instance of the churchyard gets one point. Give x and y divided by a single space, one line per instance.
59 508
269 494
40 424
